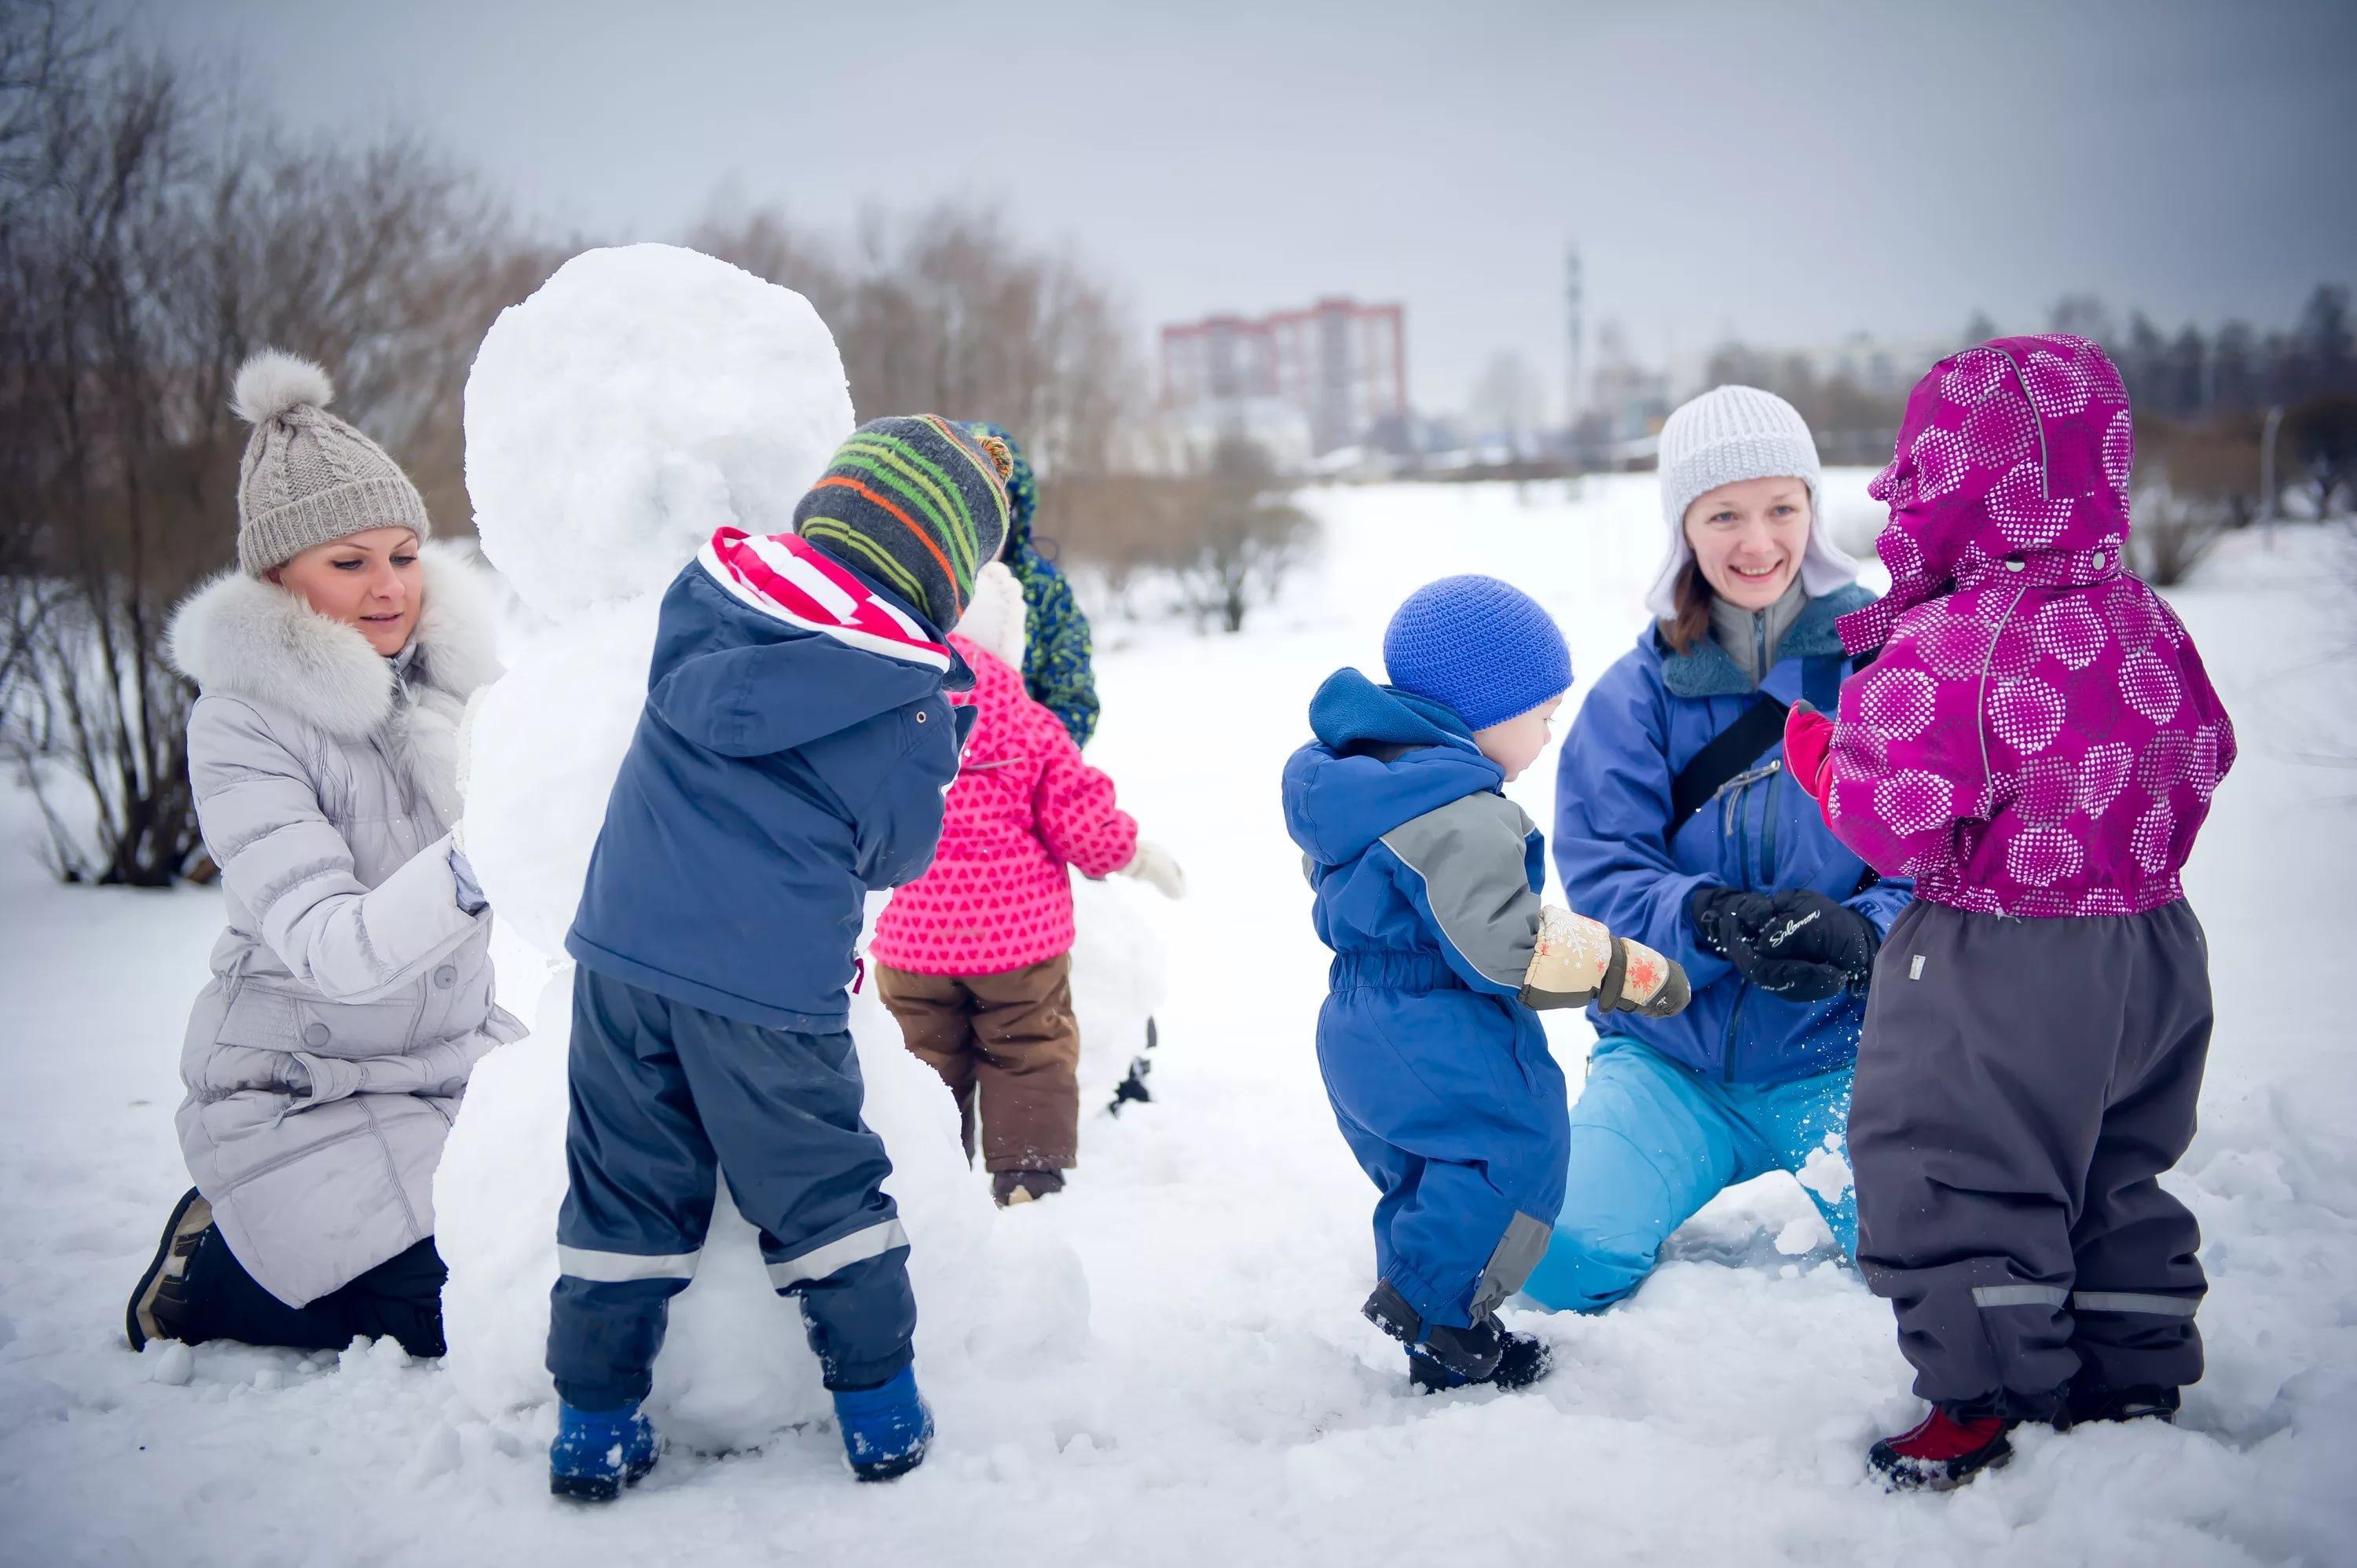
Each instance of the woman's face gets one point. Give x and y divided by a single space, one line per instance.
371 582
1516 744
1748 537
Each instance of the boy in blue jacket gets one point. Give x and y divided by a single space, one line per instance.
793 754
1428 884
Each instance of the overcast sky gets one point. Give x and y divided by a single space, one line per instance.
1787 172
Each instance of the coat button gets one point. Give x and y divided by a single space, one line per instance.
2014 563
2102 560
316 1036
920 715
445 977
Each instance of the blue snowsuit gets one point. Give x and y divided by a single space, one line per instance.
1741 1082
1427 881
776 775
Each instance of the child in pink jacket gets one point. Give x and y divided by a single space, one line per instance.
975 958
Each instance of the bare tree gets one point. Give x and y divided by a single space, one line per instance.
1243 540
150 245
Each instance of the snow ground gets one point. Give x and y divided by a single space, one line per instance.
1229 1404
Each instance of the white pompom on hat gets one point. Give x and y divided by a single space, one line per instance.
1727 436
308 478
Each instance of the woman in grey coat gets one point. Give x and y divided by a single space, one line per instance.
352 992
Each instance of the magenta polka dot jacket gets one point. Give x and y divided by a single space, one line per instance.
2037 736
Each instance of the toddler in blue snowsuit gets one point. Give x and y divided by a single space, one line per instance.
793 752
1428 884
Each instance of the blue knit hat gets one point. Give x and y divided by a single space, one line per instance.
1482 647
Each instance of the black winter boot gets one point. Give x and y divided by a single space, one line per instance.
157 1302
2149 1402
1440 1357
1010 1187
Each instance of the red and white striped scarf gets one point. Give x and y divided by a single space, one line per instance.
790 579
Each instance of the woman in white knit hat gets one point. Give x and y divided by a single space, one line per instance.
1674 823
352 989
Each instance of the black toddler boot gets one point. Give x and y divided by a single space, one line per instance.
1440 1357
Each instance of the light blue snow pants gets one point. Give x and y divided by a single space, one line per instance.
1653 1141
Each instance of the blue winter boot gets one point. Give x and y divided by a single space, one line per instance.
885 1429
597 1453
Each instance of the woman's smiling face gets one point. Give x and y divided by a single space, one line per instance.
1748 538
369 581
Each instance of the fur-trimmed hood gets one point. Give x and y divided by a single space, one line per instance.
239 636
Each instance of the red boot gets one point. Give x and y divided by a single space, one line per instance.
1941 1452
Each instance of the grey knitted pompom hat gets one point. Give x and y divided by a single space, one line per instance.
1730 433
308 478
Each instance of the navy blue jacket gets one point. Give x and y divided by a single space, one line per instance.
1644 722
1427 881
777 773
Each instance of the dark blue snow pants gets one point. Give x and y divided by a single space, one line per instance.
663 1095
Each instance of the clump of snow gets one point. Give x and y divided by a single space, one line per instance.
642 398
1827 1171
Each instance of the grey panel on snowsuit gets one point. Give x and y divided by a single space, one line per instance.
1471 856
2020 1085
1518 1253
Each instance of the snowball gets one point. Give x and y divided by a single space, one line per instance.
644 397
1827 1171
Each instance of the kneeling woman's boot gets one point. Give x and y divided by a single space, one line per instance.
597 1453
885 1429
159 1302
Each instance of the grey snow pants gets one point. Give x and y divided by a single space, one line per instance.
2020 1085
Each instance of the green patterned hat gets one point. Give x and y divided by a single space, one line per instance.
918 503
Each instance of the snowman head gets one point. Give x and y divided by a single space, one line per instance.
644 397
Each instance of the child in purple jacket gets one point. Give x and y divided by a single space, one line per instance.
2036 745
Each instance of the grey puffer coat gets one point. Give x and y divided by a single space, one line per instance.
350 995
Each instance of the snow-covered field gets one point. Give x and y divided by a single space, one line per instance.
1228 1405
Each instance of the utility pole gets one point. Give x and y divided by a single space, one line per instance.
1575 388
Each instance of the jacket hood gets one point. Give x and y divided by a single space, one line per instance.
1355 784
243 637
746 665
2012 457
1022 491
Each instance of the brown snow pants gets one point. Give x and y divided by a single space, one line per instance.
1012 1040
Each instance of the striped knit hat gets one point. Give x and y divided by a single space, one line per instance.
917 502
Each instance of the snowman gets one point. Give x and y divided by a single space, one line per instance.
643 397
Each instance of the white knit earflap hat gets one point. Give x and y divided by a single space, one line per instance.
1727 435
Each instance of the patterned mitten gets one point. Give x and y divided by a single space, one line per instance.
1580 962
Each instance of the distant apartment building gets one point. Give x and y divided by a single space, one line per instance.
1343 364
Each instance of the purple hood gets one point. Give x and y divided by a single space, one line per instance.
2037 736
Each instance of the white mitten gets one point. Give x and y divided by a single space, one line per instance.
1152 864
995 620
1579 961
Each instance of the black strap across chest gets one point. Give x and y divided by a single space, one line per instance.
1746 741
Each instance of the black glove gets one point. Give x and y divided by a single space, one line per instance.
1716 913
1809 948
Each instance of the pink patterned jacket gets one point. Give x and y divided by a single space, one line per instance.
1024 807
2038 737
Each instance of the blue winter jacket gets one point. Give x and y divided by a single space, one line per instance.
1427 881
1645 719
777 775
